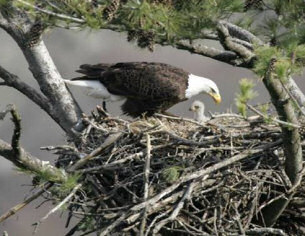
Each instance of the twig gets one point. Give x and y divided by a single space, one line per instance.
58 206
51 13
155 220
146 183
17 132
261 231
177 209
112 164
20 206
226 115
273 119
180 119
109 228
108 142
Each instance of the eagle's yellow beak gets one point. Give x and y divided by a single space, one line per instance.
216 97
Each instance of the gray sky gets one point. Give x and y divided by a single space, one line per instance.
69 49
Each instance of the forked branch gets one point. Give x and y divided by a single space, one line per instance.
19 157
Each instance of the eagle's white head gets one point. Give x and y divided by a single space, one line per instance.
198 84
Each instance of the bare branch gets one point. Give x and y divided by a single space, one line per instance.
226 40
24 160
58 206
3 21
146 184
15 82
28 200
177 209
62 107
296 92
224 56
17 132
109 141
241 33
261 231
287 124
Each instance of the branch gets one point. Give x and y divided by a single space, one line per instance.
262 231
58 206
177 209
291 142
296 92
19 157
146 183
241 33
15 82
111 139
284 123
3 21
220 55
51 13
227 42
20 206
62 107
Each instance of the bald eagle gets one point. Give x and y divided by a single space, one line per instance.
146 87
198 108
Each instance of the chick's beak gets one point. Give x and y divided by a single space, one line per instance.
216 97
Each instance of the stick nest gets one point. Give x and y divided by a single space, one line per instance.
171 176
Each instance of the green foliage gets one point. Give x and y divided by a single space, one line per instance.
264 110
171 174
246 93
43 174
4 2
282 69
87 224
264 55
288 61
168 21
66 187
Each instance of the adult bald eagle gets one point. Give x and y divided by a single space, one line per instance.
146 87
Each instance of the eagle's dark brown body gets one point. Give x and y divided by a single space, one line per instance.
148 87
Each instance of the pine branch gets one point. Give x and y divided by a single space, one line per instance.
51 13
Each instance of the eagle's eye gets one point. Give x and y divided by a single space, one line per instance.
213 90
